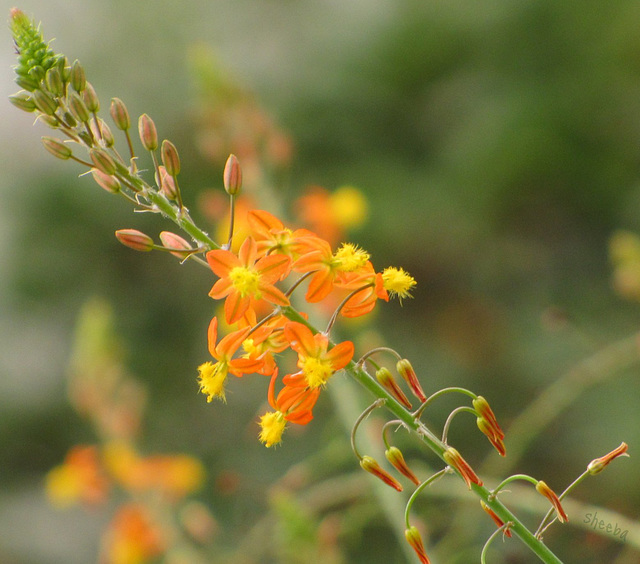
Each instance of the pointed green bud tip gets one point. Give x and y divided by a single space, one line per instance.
77 77
91 98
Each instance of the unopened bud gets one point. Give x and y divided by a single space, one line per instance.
50 121
23 101
120 114
415 540
232 176
103 161
105 181
57 148
178 246
599 464
77 77
170 158
388 382
26 83
78 108
454 459
54 83
91 98
37 73
547 492
167 184
405 369
148 133
45 103
395 457
102 131
371 465
135 239
499 522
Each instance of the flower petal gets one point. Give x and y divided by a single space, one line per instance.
235 306
341 354
212 337
300 338
221 262
273 267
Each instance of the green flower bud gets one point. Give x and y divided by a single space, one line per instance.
170 158
78 108
232 176
148 133
77 77
91 98
54 83
23 101
105 181
45 103
120 114
103 161
57 148
135 239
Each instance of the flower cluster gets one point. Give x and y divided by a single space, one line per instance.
264 325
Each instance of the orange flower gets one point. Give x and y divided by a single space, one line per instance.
272 236
316 361
213 376
245 278
370 286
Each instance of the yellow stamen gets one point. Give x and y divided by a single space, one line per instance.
273 424
350 257
398 282
317 371
246 281
212 378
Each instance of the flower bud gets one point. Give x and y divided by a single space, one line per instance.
388 382
57 148
50 121
148 133
170 158
547 492
599 464
109 183
166 183
499 522
103 161
23 101
26 83
78 108
54 83
232 176
77 77
102 130
45 103
494 438
178 246
395 457
120 114
135 239
91 98
371 465
454 459
405 370
415 540
37 73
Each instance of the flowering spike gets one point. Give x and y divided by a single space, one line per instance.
371 465
547 492
395 457
599 464
454 459
405 369
135 239
415 540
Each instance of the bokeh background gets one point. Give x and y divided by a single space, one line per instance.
498 146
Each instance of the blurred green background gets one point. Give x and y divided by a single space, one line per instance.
498 144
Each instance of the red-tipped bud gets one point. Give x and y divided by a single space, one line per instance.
57 148
490 433
394 456
547 492
405 370
91 98
103 161
170 158
499 522
415 540
78 108
105 181
120 114
232 176
167 184
77 77
454 459
23 101
45 103
483 409
388 382
371 465
599 464
135 239
148 133
178 246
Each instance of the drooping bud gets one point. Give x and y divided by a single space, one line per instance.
484 410
454 459
599 464
135 239
23 101
57 148
547 492
388 382
103 161
178 246
371 465
120 114
405 369
105 181
45 103
395 457
493 437
77 77
415 540
91 98
170 157
148 133
232 176
78 108
499 522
